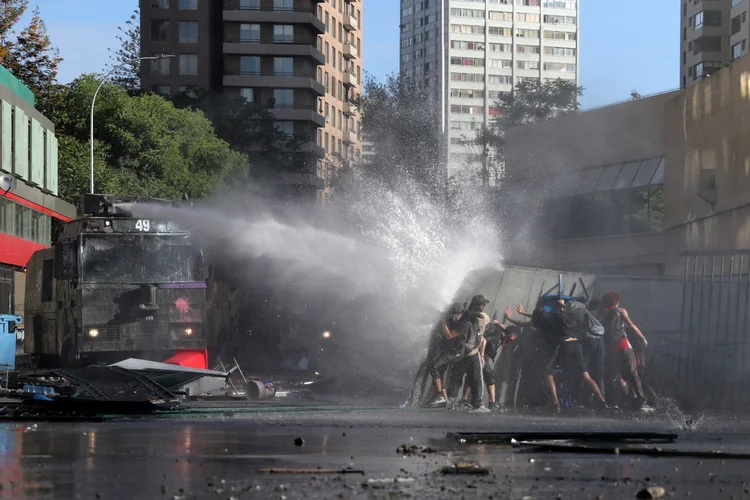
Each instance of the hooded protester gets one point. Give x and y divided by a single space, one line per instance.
471 365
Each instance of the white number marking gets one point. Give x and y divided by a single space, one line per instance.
143 225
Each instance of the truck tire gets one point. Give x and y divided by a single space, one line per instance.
68 355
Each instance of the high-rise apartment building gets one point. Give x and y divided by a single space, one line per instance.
470 52
713 33
300 58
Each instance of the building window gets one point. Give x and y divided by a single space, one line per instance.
250 65
284 98
250 33
159 31
160 66
188 31
284 127
283 4
188 64
160 4
736 51
161 89
188 4
283 33
247 94
250 4
283 66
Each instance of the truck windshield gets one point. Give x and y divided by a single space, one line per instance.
140 258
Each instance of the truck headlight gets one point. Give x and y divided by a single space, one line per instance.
188 331
93 333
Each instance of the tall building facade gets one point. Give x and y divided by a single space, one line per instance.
28 188
470 52
713 33
302 59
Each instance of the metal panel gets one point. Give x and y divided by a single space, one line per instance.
589 181
646 172
708 366
52 175
608 178
659 175
6 137
21 150
37 153
627 174
567 184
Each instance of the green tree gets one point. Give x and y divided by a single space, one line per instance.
10 13
537 101
485 148
35 61
402 121
127 58
249 128
531 101
145 145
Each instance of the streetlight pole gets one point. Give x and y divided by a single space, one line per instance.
93 103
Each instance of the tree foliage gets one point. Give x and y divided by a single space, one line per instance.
10 13
531 101
145 145
30 57
127 58
537 101
402 121
249 128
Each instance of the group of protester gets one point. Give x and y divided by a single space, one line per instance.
589 347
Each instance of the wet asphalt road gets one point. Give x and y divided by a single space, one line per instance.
218 456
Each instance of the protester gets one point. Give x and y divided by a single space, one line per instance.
451 333
621 364
564 350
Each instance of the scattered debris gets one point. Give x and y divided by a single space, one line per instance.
299 442
465 468
651 492
348 470
572 447
505 437
413 449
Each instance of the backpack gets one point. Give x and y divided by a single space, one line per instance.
614 327
584 325
494 338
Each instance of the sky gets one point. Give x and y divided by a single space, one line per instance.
622 48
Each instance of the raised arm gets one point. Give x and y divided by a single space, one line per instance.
521 311
629 323
509 317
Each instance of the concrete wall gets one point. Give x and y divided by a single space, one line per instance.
708 162
612 134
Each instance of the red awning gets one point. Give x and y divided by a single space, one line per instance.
17 251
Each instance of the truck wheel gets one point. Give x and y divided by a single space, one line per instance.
68 358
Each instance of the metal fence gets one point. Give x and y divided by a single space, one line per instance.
707 365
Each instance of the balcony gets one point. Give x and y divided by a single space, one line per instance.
350 51
271 48
274 80
349 80
235 12
350 109
296 114
351 23
349 137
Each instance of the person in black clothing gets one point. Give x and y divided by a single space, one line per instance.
450 340
471 364
564 349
